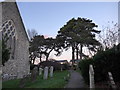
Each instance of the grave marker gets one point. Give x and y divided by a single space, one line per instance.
40 71
91 76
51 71
45 73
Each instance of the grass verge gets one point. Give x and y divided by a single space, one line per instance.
56 82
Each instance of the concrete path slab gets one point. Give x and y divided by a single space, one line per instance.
76 80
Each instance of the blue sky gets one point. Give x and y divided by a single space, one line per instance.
48 17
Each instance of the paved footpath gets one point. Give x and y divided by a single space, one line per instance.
76 80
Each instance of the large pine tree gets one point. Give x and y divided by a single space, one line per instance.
78 33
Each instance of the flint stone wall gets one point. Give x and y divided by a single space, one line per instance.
18 66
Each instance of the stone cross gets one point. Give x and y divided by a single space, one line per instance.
40 71
51 71
91 76
45 73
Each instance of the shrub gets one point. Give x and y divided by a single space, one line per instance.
64 66
56 65
103 62
5 51
84 67
107 61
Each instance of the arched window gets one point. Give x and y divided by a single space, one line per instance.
8 30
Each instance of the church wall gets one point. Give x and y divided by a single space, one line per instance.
20 64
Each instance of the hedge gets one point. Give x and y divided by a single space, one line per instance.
103 62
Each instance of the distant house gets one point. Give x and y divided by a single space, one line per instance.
64 64
62 61
13 27
75 62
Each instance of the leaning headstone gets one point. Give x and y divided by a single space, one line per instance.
34 74
45 73
112 83
91 76
40 71
51 71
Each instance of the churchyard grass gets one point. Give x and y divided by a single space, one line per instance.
56 82
11 83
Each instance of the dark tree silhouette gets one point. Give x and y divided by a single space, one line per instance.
78 33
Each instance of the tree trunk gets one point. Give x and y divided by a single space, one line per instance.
81 46
77 52
40 57
73 51
47 55
33 60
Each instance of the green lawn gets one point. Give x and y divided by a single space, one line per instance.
11 83
56 82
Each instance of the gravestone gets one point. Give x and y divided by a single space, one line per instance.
45 73
91 76
61 69
34 74
112 83
23 81
40 71
51 71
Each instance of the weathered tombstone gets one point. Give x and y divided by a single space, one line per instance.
5 77
91 76
45 73
34 74
112 83
40 71
61 69
24 80
51 71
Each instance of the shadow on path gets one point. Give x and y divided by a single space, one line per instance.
76 80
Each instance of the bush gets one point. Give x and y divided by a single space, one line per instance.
103 62
5 51
84 67
56 65
107 61
64 66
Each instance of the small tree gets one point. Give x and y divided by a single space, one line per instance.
32 33
109 36
35 48
32 50
5 51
